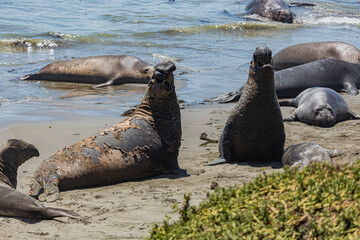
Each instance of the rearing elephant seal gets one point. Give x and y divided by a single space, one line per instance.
12 202
308 52
320 107
276 10
102 70
143 145
254 132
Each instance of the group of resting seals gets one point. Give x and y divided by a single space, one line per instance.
148 143
324 77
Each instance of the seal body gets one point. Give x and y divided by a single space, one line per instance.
102 70
302 154
13 203
308 52
336 74
276 10
320 107
254 131
143 145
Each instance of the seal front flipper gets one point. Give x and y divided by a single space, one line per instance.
108 83
216 162
354 115
29 77
47 193
292 117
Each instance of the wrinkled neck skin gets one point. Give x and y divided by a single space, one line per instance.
8 171
163 113
261 79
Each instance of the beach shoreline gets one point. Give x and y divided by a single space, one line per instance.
128 210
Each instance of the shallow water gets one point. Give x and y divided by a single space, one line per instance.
211 43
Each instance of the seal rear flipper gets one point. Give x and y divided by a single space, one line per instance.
350 88
29 77
108 83
295 4
226 97
334 153
50 212
216 162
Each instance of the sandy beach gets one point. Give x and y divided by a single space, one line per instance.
128 210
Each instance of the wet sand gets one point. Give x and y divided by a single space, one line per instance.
128 210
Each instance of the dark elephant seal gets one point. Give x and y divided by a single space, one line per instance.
12 202
336 74
303 154
320 107
254 131
276 10
102 70
308 52
143 145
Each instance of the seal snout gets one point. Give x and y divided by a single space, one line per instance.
163 70
262 56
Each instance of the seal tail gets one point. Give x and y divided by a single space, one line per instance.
51 213
216 162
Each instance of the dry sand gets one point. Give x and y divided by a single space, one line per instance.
128 210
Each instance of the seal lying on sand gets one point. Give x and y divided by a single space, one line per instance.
254 131
12 202
308 52
302 154
143 145
336 74
276 10
102 70
320 107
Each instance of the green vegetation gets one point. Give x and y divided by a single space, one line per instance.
319 202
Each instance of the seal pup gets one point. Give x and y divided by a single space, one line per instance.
143 145
13 203
336 74
320 107
303 154
254 131
104 70
276 10
308 52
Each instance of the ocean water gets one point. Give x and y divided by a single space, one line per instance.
210 41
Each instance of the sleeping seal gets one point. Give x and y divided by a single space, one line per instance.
12 202
102 70
143 145
308 52
303 154
320 107
254 131
336 74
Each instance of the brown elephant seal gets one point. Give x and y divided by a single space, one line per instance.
303 154
12 202
308 52
254 131
143 145
102 70
276 10
320 107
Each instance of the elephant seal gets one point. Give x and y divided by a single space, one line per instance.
308 52
254 131
143 145
320 107
102 70
276 10
336 74
303 154
13 203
